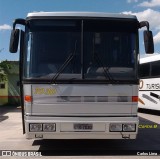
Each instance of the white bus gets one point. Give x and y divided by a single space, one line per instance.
149 89
79 74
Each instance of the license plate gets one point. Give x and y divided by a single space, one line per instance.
83 126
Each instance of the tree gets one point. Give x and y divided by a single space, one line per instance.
4 66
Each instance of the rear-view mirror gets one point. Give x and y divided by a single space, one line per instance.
148 42
14 40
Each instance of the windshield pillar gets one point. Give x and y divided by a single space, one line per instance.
82 49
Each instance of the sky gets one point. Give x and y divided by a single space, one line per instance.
11 9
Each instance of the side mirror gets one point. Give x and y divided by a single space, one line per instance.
148 42
14 40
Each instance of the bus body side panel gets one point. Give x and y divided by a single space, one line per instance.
149 94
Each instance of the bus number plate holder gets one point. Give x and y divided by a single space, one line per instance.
83 127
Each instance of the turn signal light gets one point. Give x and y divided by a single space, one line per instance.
134 98
28 98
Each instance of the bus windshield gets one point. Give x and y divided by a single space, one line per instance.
100 49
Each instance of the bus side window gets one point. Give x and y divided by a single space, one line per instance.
144 70
155 68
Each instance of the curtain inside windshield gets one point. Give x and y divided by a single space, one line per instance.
109 50
51 45
98 50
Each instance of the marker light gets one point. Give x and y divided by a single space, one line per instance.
28 98
134 98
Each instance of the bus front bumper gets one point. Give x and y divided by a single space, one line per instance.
81 127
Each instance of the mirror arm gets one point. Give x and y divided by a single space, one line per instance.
18 21
143 24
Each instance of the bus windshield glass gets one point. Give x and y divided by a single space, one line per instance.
95 49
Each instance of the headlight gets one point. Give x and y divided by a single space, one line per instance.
129 127
115 127
49 127
35 127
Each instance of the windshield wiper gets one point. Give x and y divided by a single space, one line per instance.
65 64
105 71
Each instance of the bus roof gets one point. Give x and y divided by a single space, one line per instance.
81 14
150 58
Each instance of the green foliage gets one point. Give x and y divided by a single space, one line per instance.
4 66
3 77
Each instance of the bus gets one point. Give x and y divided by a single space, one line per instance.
79 74
149 88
